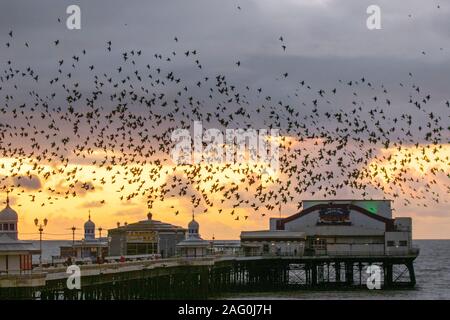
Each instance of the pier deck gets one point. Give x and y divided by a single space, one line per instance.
205 277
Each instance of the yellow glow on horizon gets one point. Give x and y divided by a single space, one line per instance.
125 199
418 162
109 203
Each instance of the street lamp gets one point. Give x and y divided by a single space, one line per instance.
40 229
73 241
212 245
100 249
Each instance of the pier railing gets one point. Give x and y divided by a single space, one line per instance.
408 252
13 273
145 263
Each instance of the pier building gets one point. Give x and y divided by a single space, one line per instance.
146 237
348 227
193 245
15 255
225 247
282 243
89 247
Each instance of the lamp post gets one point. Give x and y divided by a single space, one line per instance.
212 245
40 229
100 249
73 241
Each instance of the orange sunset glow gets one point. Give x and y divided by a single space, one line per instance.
108 205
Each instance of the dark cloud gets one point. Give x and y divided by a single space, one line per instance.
326 40
28 182
315 30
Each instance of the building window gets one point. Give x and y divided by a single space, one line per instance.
319 244
142 248
11 227
265 248
5 226
1 227
25 262
391 244
403 243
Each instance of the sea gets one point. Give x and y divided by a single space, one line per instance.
50 248
432 268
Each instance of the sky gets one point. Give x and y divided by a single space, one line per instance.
326 41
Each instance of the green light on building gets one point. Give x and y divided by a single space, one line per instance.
371 207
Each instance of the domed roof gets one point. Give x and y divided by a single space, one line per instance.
89 224
8 214
193 224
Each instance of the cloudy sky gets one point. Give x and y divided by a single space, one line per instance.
326 41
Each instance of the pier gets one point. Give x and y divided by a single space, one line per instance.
208 277
327 245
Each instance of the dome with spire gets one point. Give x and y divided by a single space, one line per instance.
193 245
89 229
8 221
8 213
89 224
193 228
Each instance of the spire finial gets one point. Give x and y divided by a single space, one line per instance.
7 198
193 214
89 214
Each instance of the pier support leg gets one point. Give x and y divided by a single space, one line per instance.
360 273
313 274
337 270
387 274
349 273
328 272
412 274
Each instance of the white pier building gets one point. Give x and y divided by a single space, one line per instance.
335 227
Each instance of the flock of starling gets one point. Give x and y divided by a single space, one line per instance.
85 118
